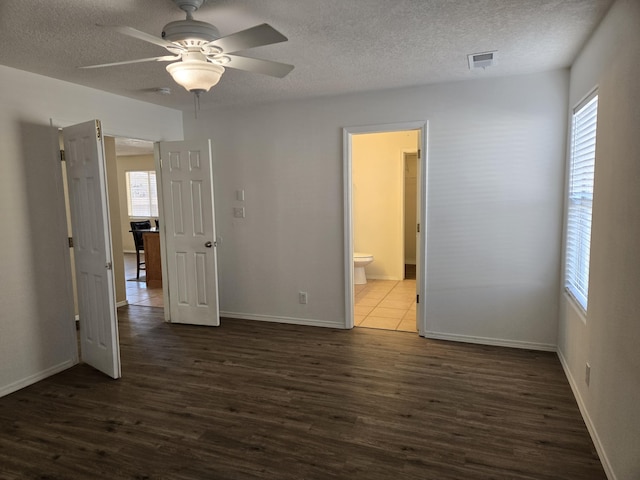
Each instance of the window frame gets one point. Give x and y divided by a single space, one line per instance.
152 188
580 182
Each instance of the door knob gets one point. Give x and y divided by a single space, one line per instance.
208 244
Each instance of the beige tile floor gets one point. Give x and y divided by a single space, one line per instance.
386 304
137 291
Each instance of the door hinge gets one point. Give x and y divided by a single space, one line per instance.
419 153
70 240
418 298
98 130
62 158
108 266
418 227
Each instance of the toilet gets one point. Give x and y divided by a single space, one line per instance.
360 260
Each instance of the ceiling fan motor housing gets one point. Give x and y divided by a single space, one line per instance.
190 33
189 5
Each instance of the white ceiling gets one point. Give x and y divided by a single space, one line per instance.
337 46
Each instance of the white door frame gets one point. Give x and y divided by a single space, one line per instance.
347 151
163 239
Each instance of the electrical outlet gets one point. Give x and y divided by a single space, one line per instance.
587 373
302 298
238 212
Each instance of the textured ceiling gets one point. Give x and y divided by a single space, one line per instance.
337 46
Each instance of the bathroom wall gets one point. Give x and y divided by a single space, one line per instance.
378 200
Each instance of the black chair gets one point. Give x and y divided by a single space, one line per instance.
137 240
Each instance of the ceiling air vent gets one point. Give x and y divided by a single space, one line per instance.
482 60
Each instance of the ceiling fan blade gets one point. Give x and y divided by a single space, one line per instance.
256 65
132 32
252 37
168 58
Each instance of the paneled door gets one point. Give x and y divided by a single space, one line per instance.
189 231
84 154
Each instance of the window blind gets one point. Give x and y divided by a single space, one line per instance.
142 197
580 199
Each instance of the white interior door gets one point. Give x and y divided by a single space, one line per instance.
86 173
189 232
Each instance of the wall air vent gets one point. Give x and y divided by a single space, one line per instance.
482 60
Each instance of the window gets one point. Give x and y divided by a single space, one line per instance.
580 198
142 195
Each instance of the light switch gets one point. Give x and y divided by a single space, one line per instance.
238 212
240 195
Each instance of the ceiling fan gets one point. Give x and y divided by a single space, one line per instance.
200 55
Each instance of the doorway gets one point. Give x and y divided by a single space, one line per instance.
187 253
187 177
137 201
121 156
383 173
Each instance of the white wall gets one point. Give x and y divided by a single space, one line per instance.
378 198
496 166
37 335
609 337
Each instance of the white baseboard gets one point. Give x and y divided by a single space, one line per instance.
122 303
587 419
383 277
498 342
36 377
290 320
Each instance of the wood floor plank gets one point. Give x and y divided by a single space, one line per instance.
255 400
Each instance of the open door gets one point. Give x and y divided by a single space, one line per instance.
418 234
189 231
420 264
86 173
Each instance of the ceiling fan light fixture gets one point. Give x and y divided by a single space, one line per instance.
195 75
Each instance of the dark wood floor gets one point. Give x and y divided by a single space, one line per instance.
253 400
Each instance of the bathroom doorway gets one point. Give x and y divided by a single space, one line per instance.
383 192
